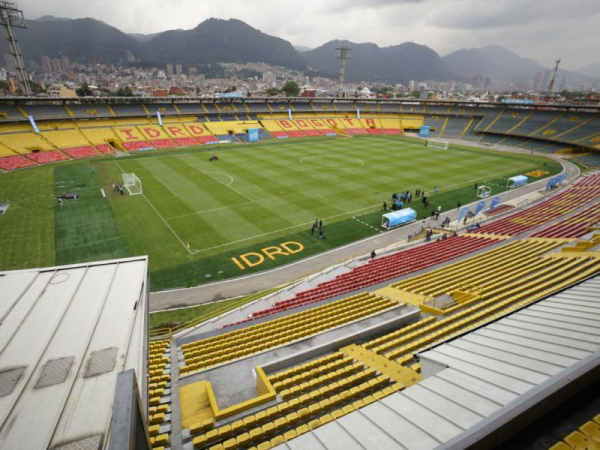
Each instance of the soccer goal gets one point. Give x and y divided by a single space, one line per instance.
438 144
132 183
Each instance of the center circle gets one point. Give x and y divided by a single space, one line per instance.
332 162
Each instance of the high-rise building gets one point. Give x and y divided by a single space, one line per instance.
563 84
66 63
477 81
545 80
192 70
537 81
178 69
47 64
170 69
56 66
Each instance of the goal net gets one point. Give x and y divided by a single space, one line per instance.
132 183
438 144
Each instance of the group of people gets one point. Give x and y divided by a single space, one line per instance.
435 213
118 188
318 226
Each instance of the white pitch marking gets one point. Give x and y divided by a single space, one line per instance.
191 252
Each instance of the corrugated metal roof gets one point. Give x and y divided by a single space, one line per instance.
53 322
475 378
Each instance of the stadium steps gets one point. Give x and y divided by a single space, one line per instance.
457 276
380 270
298 415
306 383
217 350
441 134
573 227
159 392
522 290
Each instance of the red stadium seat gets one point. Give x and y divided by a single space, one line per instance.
48 156
81 152
15 162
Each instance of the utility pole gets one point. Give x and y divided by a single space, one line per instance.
342 53
11 16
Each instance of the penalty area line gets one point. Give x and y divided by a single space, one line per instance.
191 252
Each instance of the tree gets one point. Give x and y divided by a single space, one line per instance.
230 89
36 88
291 89
124 92
84 90
271 92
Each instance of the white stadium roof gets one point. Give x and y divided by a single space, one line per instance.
65 334
481 382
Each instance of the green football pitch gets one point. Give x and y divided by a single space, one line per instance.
252 209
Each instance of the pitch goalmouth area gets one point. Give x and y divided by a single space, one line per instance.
253 209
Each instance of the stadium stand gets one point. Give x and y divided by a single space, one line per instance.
391 126
380 270
157 136
562 125
537 122
25 142
48 156
410 108
210 109
488 116
89 111
302 107
105 149
477 382
14 162
46 112
131 138
128 110
329 387
574 226
163 108
389 108
99 135
566 201
509 120
436 124
367 108
455 127
592 160
66 138
236 344
413 123
257 107
587 436
437 110
10 113
190 108
81 152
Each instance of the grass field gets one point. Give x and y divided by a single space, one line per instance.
196 215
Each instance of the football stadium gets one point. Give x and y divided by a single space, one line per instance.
298 273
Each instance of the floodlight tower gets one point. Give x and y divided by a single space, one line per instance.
343 53
553 79
11 16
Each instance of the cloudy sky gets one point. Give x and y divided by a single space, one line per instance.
540 29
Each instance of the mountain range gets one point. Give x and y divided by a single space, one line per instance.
217 41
